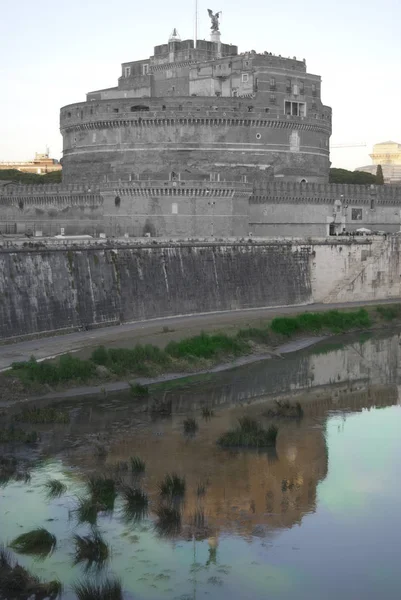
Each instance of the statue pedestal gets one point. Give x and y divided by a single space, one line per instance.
215 37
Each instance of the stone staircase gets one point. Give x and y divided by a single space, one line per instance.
356 271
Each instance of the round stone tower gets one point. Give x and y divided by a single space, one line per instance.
201 111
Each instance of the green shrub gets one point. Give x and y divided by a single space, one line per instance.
43 416
138 390
137 465
332 320
190 426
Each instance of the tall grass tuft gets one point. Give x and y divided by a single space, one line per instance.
91 550
172 486
190 426
389 313
207 413
43 416
18 582
249 434
55 488
102 491
37 542
67 368
201 488
138 465
110 589
136 503
168 522
86 511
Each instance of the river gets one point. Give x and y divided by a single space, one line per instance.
316 518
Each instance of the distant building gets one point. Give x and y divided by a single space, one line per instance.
40 165
388 155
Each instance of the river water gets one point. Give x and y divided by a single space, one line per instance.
318 518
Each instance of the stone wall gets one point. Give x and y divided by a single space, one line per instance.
52 286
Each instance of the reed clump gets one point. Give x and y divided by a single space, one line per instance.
39 542
55 488
249 434
91 550
110 589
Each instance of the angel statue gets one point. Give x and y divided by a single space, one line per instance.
214 19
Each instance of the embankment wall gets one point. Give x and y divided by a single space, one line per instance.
50 286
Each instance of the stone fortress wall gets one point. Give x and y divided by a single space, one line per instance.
61 285
188 208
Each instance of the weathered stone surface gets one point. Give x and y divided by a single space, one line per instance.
52 287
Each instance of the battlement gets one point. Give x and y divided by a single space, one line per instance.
324 192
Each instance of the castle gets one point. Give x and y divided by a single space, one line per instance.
198 141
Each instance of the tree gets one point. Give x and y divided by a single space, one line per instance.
352 177
29 178
379 175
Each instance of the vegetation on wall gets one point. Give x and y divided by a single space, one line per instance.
352 177
29 178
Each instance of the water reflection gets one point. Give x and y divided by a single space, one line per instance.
250 523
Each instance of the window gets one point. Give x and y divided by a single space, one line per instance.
288 86
302 88
258 136
244 179
272 99
295 109
314 106
314 90
174 208
245 77
272 83
115 110
356 214
246 63
145 69
127 71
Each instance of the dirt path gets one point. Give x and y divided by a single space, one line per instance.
151 332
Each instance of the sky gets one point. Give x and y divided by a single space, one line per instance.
54 53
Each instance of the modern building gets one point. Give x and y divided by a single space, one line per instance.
388 155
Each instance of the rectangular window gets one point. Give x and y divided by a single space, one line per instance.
244 77
145 69
302 88
288 86
272 99
314 89
127 71
174 208
356 214
295 109
272 83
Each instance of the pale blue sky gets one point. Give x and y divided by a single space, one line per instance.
53 53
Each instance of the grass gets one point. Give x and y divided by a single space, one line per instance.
120 467
66 368
249 434
207 413
86 511
55 488
149 360
190 426
110 589
207 346
138 390
136 503
10 469
332 320
18 582
138 465
37 542
389 313
43 416
91 550
285 409
102 491
16 434
172 486
168 522
201 489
